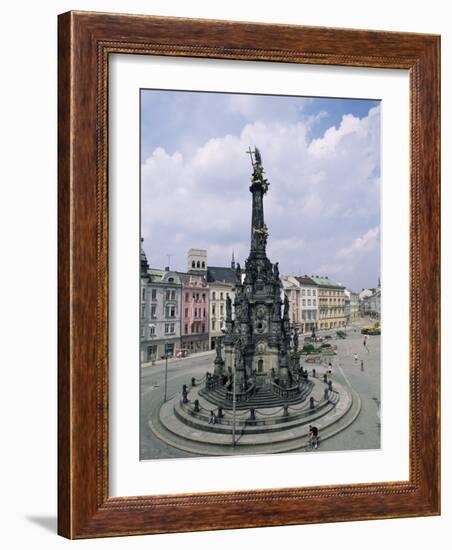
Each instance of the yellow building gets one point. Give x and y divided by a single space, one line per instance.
331 298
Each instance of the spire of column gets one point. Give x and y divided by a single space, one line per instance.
258 188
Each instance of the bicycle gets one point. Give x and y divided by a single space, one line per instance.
313 443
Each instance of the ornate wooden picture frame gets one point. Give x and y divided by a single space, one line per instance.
86 40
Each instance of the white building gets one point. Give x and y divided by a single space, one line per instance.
160 312
303 301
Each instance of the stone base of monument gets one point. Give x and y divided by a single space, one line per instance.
262 398
269 430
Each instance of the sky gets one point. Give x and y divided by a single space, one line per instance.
320 155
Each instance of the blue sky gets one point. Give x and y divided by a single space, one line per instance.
321 155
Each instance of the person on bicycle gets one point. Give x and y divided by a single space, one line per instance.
315 436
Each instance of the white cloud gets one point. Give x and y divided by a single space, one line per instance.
323 193
361 245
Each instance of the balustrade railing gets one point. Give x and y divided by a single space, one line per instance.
214 382
241 396
285 393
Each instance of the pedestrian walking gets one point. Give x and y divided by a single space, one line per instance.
365 343
362 365
356 358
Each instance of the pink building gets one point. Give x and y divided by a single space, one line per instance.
195 313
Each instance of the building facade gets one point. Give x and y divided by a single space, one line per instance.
371 305
160 312
309 304
331 300
354 305
221 282
291 289
195 313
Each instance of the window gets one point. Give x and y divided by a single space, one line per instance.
171 279
154 294
204 297
213 325
169 328
152 330
214 295
187 297
303 292
142 331
193 264
221 295
309 292
143 294
196 312
203 265
303 302
204 312
186 312
197 264
170 294
314 302
221 309
143 309
186 329
170 311
309 302
153 311
203 328
313 292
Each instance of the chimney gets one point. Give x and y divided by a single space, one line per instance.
167 268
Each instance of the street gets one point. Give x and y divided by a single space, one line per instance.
364 433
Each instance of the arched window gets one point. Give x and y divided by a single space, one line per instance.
197 264
193 263
203 265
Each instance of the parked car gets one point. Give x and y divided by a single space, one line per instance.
372 330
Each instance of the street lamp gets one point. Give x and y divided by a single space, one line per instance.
234 402
166 371
234 390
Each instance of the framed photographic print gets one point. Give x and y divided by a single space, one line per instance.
248 275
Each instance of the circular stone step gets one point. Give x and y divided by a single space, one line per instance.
195 435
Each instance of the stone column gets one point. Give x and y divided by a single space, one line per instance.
283 373
219 363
